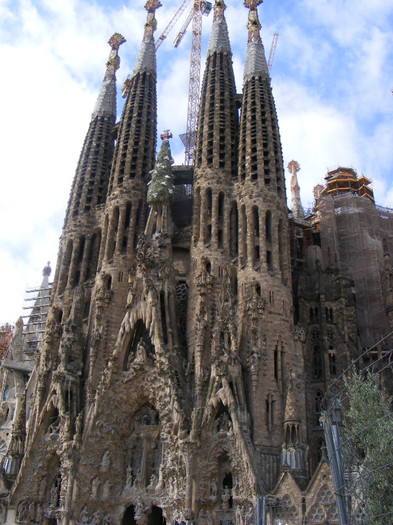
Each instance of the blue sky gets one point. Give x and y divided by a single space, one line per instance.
332 79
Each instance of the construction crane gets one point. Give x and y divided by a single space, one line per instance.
272 51
179 11
199 8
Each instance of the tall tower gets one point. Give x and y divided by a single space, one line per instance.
124 216
265 304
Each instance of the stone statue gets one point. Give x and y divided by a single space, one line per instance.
96 518
31 513
106 490
83 516
94 487
140 356
106 461
129 476
107 519
213 489
225 497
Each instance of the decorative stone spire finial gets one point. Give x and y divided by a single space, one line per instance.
254 25
255 60
113 63
297 208
106 102
219 39
151 22
146 59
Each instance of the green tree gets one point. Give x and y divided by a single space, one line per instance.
368 448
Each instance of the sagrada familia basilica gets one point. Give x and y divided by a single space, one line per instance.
195 322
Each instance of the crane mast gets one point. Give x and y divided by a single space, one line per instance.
200 7
194 83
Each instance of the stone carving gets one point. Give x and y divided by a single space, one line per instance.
106 490
106 461
129 478
95 485
225 497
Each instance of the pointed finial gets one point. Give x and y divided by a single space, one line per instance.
113 63
219 8
219 39
166 134
254 25
297 208
151 22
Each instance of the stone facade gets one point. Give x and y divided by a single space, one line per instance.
193 327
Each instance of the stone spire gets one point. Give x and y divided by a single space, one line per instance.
136 141
218 120
146 59
260 155
106 102
92 173
297 208
255 59
219 39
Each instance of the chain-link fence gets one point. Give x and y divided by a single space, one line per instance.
358 426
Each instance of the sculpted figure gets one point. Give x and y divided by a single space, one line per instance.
213 488
140 356
106 461
31 513
129 476
38 513
106 489
94 487
83 516
225 496
96 518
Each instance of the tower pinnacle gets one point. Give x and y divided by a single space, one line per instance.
297 208
219 39
146 59
106 102
255 60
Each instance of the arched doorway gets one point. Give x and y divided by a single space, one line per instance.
156 517
128 518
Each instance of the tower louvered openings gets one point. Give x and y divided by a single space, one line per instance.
184 360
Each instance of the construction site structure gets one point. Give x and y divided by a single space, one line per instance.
19 360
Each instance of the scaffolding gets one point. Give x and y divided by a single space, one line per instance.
354 234
37 305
